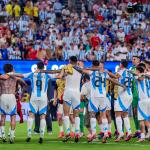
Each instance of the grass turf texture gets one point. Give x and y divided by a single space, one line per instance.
52 143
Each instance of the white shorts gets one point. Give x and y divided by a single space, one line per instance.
72 97
8 105
144 109
38 104
123 102
97 104
108 102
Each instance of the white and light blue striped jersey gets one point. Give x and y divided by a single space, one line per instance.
39 83
143 87
126 79
98 84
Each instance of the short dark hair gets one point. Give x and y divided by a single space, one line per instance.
8 68
73 59
142 65
40 65
95 63
124 63
136 56
140 69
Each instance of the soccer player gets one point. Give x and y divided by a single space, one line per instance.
143 87
135 62
8 103
98 98
71 96
60 85
38 100
123 102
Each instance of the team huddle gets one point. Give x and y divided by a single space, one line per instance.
84 97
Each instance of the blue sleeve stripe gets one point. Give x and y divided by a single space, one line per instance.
38 88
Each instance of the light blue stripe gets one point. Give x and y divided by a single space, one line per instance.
93 107
147 88
122 105
32 82
2 111
93 79
43 111
100 84
32 109
46 82
142 85
77 107
143 114
13 112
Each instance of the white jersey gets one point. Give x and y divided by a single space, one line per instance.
73 81
85 90
125 79
39 83
98 84
143 87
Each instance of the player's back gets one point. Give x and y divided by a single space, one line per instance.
73 81
98 84
39 83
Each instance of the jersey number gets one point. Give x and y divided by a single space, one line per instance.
39 84
98 80
128 82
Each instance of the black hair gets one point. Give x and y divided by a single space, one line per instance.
40 65
140 69
136 56
86 77
73 59
8 68
142 65
124 63
95 63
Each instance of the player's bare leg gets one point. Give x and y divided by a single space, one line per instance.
66 109
12 128
3 118
29 126
99 120
77 124
147 123
119 126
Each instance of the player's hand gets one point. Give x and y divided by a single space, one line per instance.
54 103
5 76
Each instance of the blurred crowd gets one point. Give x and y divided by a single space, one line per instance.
108 30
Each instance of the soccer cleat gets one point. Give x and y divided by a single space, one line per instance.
101 135
109 134
28 139
61 135
77 137
140 140
11 140
91 137
72 134
137 134
119 138
66 138
128 138
104 139
4 140
41 140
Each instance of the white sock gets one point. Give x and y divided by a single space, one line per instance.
119 125
105 126
109 127
29 126
12 134
42 127
93 125
3 131
73 127
77 125
149 131
142 136
101 127
67 124
61 128
127 125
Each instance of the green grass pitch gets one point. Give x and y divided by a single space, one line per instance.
52 143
